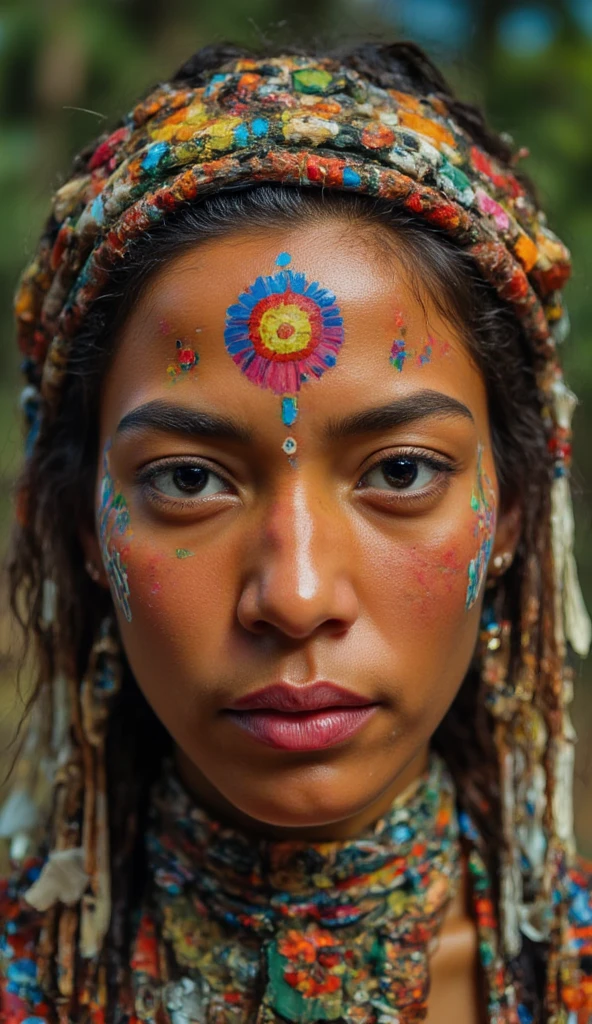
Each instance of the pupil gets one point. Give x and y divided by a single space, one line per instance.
400 472
190 478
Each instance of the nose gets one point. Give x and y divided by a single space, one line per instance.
299 576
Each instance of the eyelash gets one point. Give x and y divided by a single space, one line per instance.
444 467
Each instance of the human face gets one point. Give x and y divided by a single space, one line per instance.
240 564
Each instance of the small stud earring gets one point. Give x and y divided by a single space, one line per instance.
92 571
502 562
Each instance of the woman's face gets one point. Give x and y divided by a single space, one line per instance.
239 564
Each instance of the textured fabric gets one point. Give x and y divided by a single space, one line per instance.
236 930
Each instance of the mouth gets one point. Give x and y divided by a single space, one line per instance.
301 718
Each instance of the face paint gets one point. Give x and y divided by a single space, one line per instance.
283 332
184 553
114 521
187 360
398 349
483 504
400 352
425 355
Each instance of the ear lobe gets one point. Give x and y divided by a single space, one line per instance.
507 536
93 562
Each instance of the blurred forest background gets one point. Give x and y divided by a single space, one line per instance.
69 67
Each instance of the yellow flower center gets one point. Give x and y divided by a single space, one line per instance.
285 328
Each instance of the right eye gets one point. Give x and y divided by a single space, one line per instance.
185 481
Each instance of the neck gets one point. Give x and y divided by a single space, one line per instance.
217 805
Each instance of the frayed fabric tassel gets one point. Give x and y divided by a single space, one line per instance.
511 876
572 620
62 880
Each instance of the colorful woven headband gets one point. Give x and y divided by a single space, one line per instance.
303 122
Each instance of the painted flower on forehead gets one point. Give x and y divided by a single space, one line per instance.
284 331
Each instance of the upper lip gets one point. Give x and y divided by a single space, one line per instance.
290 698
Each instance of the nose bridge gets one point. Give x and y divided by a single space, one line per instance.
292 530
301 577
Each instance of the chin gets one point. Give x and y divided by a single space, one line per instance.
312 803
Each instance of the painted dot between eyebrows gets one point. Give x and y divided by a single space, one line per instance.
283 259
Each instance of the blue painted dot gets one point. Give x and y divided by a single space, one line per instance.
154 155
241 134
283 259
351 178
259 127
330 359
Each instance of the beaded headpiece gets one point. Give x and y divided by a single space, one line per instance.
316 123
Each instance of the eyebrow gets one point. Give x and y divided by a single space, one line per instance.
173 419
402 411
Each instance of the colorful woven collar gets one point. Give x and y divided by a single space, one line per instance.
297 121
239 929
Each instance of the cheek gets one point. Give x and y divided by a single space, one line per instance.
178 610
417 595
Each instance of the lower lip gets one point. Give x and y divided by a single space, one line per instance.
304 730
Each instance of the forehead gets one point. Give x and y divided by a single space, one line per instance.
384 334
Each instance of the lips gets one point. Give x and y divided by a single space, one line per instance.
301 718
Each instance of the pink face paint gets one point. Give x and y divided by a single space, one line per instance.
425 355
483 505
164 327
113 521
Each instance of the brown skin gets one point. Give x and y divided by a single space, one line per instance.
319 571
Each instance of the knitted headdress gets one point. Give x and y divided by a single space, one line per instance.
320 124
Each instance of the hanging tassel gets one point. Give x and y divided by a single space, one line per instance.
100 686
572 620
63 879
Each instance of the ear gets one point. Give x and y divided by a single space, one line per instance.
507 536
93 561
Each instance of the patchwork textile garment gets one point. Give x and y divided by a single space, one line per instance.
234 929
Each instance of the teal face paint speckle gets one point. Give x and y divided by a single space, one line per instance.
484 507
113 520
184 553
399 351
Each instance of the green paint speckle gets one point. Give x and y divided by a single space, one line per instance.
184 553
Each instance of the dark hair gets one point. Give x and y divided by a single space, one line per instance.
61 472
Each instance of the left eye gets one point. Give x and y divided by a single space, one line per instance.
402 473
187 481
